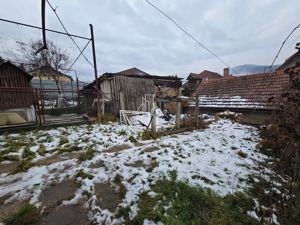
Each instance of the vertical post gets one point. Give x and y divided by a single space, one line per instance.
95 70
197 110
78 98
178 108
122 101
153 110
72 91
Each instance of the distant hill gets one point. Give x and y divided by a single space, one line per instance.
250 69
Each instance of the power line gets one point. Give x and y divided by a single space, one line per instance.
81 52
36 27
298 26
60 21
189 34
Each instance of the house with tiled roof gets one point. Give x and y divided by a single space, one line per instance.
255 94
133 71
194 79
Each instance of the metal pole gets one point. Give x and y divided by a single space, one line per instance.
95 69
43 27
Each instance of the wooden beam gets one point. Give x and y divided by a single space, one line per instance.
178 109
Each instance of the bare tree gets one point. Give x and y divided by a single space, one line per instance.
51 60
54 56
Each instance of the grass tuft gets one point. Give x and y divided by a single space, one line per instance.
88 155
84 175
27 215
42 150
122 189
23 166
28 154
242 154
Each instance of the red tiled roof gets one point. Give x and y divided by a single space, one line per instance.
204 75
251 91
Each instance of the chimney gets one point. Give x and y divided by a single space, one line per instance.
226 73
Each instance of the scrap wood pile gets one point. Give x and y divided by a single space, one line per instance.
163 121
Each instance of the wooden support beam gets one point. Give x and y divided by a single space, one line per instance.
178 109
153 110
122 101
197 111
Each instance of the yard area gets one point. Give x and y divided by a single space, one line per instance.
108 173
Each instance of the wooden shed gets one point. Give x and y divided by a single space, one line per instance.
129 92
16 94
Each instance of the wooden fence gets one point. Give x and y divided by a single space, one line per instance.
127 92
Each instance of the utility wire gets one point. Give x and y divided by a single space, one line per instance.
79 54
60 21
189 34
298 26
36 27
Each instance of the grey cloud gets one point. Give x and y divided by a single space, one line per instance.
130 33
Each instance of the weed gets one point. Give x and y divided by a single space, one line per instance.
123 212
41 150
27 215
63 140
9 158
122 189
27 154
132 139
84 175
88 155
23 166
149 135
13 145
87 194
122 133
152 166
242 154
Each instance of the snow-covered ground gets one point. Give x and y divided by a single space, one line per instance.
220 157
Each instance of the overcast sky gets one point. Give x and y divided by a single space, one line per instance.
130 33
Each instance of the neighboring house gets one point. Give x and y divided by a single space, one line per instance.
129 91
49 73
292 61
16 95
52 81
255 95
133 71
195 79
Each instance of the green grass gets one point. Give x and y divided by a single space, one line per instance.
122 189
242 154
149 135
88 155
9 158
132 139
63 140
28 154
176 203
42 150
84 175
27 215
23 166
